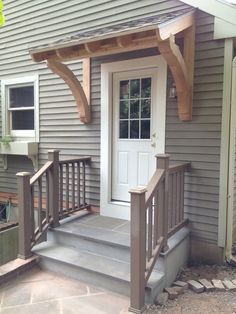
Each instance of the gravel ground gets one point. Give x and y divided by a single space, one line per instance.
203 303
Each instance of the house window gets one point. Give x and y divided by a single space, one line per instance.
20 108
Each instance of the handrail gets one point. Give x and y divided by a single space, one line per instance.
55 191
41 172
157 212
186 166
65 161
154 184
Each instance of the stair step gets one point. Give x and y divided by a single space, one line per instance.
93 268
84 234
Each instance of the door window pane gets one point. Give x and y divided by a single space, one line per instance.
124 109
145 129
135 88
134 129
124 129
134 109
145 108
124 89
146 87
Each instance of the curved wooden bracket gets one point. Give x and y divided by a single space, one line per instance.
181 69
82 100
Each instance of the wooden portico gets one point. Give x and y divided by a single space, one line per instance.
161 31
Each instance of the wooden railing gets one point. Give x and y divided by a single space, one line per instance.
153 220
56 190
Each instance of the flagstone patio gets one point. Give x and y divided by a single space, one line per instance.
41 292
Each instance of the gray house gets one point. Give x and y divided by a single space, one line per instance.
111 85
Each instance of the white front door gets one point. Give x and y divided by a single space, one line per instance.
136 137
133 95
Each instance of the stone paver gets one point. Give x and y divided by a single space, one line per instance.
195 286
181 284
218 285
207 285
229 285
42 292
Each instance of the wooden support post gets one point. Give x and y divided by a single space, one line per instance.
138 250
53 155
25 215
163 163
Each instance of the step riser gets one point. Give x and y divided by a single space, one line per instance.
97 279
112 251
97 247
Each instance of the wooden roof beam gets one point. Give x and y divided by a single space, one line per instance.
181 66
82 96
174 27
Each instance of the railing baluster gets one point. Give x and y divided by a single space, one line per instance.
170 202
156 229
174 200
182 195
40 204
178 188
67 186
160 199
61 197
149 228
84 200
78 185
47 197
32 221
73 186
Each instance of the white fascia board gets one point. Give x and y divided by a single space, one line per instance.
223 29
216 8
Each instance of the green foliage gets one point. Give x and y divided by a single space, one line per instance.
2 18
7 140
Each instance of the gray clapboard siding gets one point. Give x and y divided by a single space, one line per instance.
199 141
32 23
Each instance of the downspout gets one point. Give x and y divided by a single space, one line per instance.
231 172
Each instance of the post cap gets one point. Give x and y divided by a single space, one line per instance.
138 190
162 156
23 174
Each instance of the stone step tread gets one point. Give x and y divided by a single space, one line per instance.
91 261
94 234
97 229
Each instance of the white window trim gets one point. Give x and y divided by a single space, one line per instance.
22 135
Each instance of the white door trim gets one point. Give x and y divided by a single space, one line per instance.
107 207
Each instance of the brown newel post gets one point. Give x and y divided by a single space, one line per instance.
138 250
53 155
24 204
162 162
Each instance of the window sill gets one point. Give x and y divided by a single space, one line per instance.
29 149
